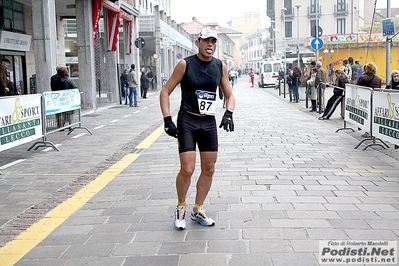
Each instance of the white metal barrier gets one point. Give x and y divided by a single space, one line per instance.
375 111
25 118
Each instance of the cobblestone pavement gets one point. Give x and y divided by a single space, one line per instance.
284 181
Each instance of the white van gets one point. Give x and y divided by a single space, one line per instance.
268 72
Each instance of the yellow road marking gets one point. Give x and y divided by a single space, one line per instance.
148 141
13 251
145 144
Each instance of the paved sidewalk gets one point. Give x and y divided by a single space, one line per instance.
284 181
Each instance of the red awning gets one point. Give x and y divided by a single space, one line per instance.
113 29
115 13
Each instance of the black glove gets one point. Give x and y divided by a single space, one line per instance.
170 127
227 121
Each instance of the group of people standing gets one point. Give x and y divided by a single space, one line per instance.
129 84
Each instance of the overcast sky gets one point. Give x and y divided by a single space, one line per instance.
184 10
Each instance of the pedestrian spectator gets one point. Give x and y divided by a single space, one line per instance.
251 76
131 77
150 76
281 76
331 74
320 83
199 76
353 67
54 77
347 69
132 67
340 81
296 81
359 69
64 82
394 81
124 83
145 83
370 79
5 89
289 82
232 77
312 89
54 88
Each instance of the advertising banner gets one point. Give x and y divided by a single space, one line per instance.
61 101
20 120
386 116
357 106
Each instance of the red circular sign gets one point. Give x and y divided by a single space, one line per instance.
155 56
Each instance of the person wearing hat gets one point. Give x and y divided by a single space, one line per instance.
199 76
4 90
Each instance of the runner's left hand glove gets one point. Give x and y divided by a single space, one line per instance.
227 121
170 127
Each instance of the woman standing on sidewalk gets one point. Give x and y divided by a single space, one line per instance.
296 81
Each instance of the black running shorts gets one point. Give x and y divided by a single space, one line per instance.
201 130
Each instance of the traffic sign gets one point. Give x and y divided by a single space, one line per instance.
315 34
388 27
179 56
139 42
317 44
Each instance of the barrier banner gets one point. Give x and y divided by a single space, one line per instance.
61 101
20 120
357 106
386 116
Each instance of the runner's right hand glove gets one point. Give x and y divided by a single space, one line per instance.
170 127
227 121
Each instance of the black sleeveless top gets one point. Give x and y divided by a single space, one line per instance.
199 75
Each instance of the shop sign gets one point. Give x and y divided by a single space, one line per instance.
14 41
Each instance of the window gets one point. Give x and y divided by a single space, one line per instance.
288 29
341 26
288 6
341 5
12 16
312 7
70 27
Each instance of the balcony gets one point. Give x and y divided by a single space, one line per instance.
341 10
312 11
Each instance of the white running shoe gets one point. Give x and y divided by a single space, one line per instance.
180 215
201 218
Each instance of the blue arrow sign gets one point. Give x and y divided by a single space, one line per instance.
317 44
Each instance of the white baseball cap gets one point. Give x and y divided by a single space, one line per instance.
207 32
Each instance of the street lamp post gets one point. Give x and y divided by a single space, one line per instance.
297 38
283 9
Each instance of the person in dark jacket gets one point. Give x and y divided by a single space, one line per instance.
124 83
5 89
369 77
340 81
296 81
145 83
371 80
63 82
394 82
150 76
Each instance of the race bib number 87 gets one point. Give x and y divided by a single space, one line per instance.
206 102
